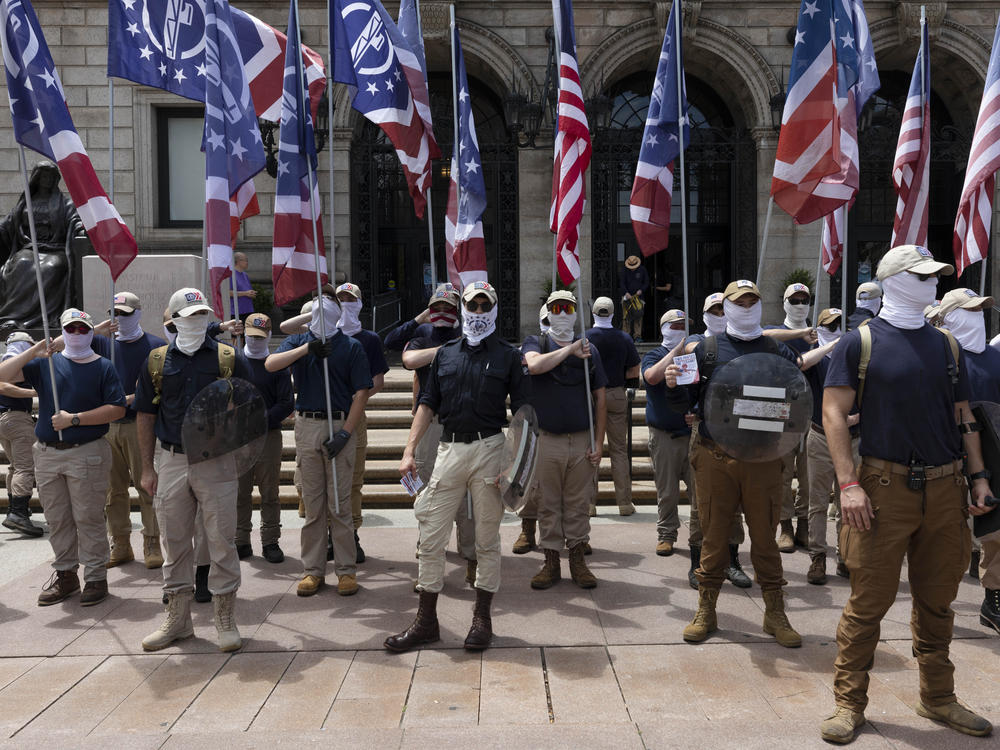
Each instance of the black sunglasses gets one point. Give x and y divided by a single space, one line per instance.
925 276
798 301
473 306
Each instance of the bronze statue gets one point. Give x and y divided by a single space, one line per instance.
56 225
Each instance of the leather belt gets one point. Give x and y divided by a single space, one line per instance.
7 408
320 414
467 437
62 445
816 428
930 472
172 447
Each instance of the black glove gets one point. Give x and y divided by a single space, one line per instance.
336 444
320 348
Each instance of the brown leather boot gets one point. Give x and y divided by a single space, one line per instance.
424 628
526 541
578 569
62 585
550 573
481 632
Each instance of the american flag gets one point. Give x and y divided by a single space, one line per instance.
572 148
912 167
293 263
975 209
652 190
42 122
409 27
809 143
375 60
233 149
463 225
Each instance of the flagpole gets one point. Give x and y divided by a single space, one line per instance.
38 276
430 210
819 270
313 188
844 258
763 242
456 166
234 298
982 279
331 251
111 196
680 137
555 128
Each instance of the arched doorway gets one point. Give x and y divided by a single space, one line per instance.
391 258
721 171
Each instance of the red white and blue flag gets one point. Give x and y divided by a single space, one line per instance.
463 225
975 208
42 122
375 60
409 26
231 142
572 148
809 143
296 203
652 190
911 170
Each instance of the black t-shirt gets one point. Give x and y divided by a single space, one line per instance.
618 353
984 374
908 408
558 395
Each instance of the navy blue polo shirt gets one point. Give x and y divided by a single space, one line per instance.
434 337
130 358
275 388
558 395
183 378
799 345
372 345
658 411
8 403
618 353
81 387
348 369
907 411
984 374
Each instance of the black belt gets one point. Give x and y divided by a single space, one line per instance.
467 437
320 414
62 445
8 408
172 447
816 428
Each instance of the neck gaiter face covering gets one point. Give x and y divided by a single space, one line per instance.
602 321
191 333
78 345
256 347
330 309
826 336
350 317
16 348
671 337
128 326
715 325
561 326
170 336
743 322
904 297
872 305
796 316
969 328
477 326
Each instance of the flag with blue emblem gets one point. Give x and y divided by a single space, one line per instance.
233 149
42 122
296 202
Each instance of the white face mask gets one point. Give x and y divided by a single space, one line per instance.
128 326
827 336
671 337
78 345
16 348
715 325
331 316
169 335
969 327
904 297
191 333
350 317
795 315
743 322
561 326
256 347
544 327
602 321
478 325
873 305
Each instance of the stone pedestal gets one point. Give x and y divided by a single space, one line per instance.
152 277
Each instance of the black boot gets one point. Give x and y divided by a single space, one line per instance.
989 613
17 517
201 592
424 628
735 572
695 562
973 563
481 632
329 546
359 553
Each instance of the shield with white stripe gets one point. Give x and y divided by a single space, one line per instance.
758 407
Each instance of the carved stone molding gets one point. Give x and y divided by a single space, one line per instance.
435 18
690 12
908 18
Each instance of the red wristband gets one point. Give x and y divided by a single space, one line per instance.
848 486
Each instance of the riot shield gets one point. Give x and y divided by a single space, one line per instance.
987 414
224 428
520 450
758 406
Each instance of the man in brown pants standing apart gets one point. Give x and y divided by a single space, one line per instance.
908 499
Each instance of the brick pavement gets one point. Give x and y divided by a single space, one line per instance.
569 668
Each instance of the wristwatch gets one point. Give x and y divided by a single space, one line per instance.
984 474
75 421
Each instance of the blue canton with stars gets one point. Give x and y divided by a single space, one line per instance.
472 187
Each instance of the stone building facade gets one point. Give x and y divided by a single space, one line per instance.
737 54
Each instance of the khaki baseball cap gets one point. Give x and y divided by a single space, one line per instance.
740 288
560 295
603 306
829 315
712 300
933 311
479 287
257 324
352 289
966 299
632 262
187 301
910 258
672 316
796 289
127 302
543 313
19 336
445 293
868 290
72 315
306 307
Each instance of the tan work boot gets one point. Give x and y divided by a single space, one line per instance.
817 570
627 509
786 537
704 622
151 552
958 717
177 624
578 569
470 572
347 584
309 585
526 541
842 726
121 552
550 572
665 548
775 621
225 623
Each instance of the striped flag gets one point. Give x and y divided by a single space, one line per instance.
975 209
572 148
809 143
652 190
293 262
833 240
375 60
233 149
409 27
42 122
912 167
463 227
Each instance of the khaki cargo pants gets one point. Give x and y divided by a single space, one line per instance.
17 435
126 466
